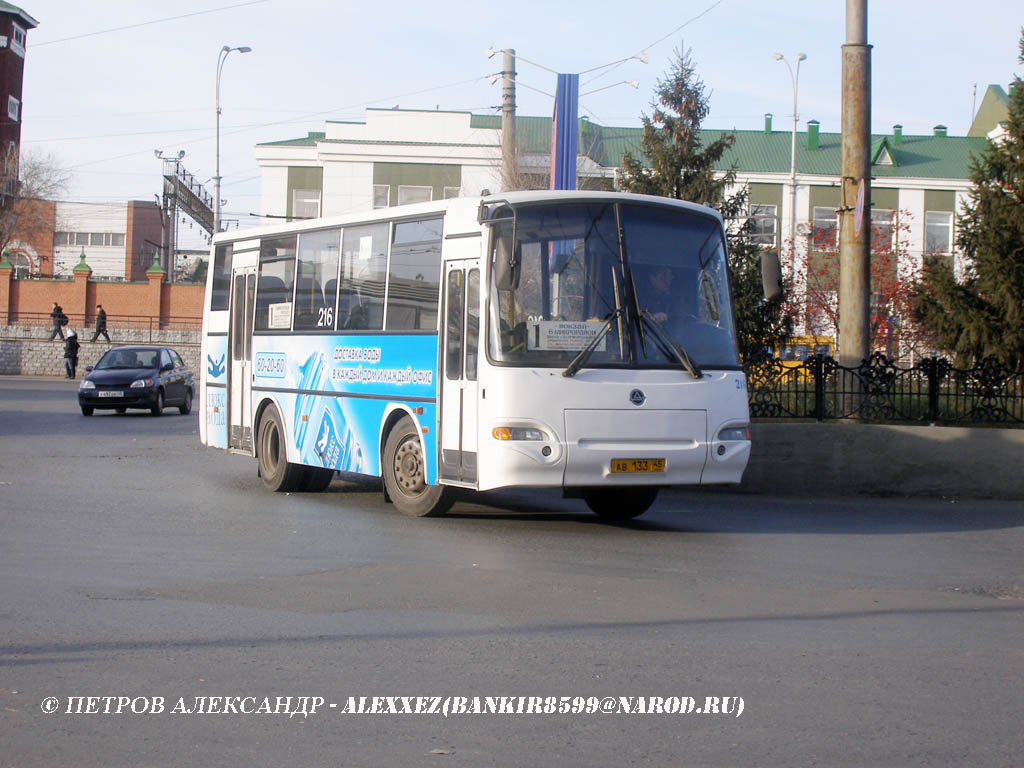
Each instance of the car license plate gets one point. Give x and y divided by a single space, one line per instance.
638 465
110 393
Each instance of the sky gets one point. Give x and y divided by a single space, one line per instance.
107 82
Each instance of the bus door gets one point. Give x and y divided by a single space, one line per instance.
459 362
243 298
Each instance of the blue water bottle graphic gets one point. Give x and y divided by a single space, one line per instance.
309 379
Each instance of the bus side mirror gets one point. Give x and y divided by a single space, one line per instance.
506 263
771 275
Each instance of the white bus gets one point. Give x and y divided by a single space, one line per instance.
573 340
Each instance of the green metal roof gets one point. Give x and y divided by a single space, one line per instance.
941 157
311 140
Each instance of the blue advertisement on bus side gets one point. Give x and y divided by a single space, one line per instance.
216 404
334 393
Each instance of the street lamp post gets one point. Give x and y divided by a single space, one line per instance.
795 78
221 58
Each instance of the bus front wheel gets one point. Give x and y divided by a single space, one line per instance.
276 472
620 503
405 477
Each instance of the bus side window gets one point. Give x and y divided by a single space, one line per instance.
364 258
317 263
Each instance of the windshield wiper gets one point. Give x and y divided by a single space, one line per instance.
668 344
582 356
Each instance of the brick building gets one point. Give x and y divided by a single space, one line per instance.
14 26
119 240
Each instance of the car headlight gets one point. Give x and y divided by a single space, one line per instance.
86 384
139 383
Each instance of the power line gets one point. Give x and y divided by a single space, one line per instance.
147 23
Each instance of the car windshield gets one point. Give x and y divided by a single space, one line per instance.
612 271
122 359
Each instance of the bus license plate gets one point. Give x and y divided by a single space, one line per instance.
110 393
638 465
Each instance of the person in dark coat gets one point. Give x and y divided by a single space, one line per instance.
101 323
57 316
71 354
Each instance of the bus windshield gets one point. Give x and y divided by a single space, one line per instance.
612 271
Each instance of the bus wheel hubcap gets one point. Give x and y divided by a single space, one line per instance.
409 467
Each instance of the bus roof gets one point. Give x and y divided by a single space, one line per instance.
469 204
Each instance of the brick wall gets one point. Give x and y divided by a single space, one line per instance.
168 304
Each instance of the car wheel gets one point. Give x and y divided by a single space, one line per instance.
87 410
276 472
158 407
186 407
404 478
618 504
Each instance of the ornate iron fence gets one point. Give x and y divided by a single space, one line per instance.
932 391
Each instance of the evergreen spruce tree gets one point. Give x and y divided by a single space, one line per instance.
984 313
676 163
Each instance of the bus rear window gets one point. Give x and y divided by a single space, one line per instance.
220 274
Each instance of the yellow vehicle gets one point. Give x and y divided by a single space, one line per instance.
798 349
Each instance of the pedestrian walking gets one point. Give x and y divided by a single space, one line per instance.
59 321
71 354
101 324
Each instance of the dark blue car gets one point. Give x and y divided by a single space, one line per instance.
137 377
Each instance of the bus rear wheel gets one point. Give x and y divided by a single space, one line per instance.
405 477
276 472
618 504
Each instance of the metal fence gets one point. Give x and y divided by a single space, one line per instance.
878 390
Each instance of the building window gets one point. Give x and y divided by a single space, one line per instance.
63 238
410 194
764 225
13 108
883 228
826 228
18 40
380 195
306 203
451 192
938 232
81 238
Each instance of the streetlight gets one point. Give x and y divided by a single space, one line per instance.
222 56
792 153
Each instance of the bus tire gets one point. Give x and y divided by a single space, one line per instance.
315 479
618 504
276 472
405 478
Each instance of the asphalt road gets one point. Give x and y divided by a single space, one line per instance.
136 563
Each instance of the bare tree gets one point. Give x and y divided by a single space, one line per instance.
24 184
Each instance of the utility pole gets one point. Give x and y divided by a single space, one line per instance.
508 119
855 210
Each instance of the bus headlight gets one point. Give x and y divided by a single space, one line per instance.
517 433
734 433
